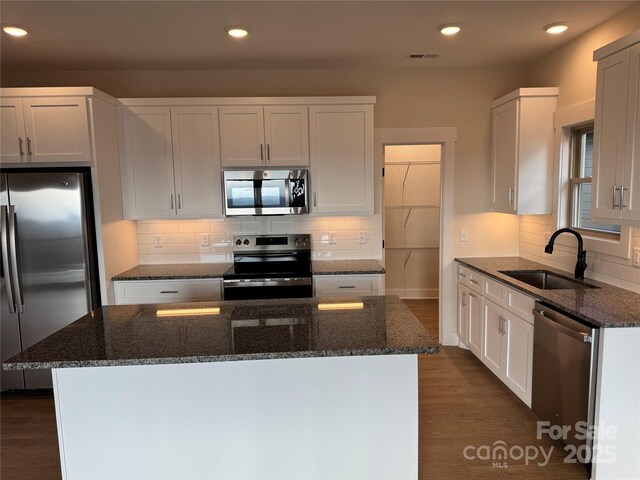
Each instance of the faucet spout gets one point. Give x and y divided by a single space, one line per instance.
581 263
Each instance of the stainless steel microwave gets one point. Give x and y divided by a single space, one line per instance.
265 192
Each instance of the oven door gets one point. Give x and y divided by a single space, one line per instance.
261 288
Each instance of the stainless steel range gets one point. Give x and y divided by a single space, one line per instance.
269 266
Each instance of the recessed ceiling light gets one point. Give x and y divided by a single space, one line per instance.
449 28
15 30
556 28
237 31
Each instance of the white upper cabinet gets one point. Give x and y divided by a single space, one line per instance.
522 151
341 157
616 154
256 136
171 162
45 130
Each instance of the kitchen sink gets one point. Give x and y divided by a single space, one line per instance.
546 280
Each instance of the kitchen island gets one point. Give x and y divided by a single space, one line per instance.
256 389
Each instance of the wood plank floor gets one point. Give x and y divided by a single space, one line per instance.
461 403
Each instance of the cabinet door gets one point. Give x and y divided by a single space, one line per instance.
463 313
286 131
341 141
12 135
57 129
147 162
196 157
474 328
493 343
518 356
612 88
505 155
632 157
242 136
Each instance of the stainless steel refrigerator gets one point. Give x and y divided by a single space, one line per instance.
48 261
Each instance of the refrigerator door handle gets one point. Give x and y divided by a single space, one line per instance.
5 260
14 259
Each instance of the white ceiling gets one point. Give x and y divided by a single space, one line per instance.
94 35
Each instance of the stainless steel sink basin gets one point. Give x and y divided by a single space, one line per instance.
546 280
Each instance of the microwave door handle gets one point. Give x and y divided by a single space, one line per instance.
287 197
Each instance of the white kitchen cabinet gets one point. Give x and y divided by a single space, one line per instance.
167 291
522 151
271 136
45 130
469 314
341 158
616 153
463 313
518 351
347 285
493 354
170 162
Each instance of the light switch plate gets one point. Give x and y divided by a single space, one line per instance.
157 240
204 240
362 236
464 234
636 257
332 237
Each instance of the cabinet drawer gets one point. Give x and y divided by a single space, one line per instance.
475 282
463 274
346 285
165 291
494 291
520 304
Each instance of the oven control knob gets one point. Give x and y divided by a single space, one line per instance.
238 242
246 242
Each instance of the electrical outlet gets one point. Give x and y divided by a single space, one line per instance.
157 240
204 240
464 234
362 236
332 237
636 257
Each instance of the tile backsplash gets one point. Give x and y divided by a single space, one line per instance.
610 269
183 241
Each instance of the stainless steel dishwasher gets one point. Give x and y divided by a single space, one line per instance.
565 354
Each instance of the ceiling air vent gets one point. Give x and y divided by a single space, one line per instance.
418 56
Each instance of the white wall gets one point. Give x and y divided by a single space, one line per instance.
573 70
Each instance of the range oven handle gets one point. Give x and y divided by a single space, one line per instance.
265 282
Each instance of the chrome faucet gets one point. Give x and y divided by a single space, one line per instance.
581 264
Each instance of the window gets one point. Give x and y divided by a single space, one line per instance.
580 180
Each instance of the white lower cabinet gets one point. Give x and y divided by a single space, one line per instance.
508 348
347 285
497 326
167 291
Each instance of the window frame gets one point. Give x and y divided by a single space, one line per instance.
576 178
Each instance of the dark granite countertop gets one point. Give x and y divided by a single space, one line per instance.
181 271
242 330
606 306
178 271
346 267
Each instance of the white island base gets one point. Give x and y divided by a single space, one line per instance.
302 418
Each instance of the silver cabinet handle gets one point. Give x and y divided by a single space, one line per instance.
29 146
475 282
171 200
179 202
504 326
268 153
314 199
472 295
460 274
5 260
510 195
464 299
347 286
169 291
14 258
262 152
622 189
615 189
500 325
20 142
